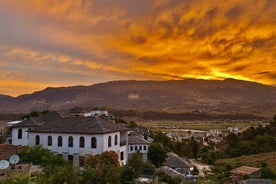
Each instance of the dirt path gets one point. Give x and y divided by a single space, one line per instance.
200 167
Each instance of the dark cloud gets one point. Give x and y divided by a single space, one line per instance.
235 12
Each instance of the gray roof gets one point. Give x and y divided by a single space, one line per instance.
136 139
174 161
37 121
79 125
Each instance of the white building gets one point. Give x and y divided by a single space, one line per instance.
96 113
73 137
138 143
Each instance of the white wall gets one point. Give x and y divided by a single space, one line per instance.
102 144
23 141
65 148
143 151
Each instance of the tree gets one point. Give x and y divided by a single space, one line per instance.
232 140
273 121
102 168
55 168
157 154
195 148
163 139
135 164
132 124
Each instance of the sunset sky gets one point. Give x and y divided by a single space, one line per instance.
82 42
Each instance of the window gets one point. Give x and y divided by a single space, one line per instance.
59 141
109 141
131 148
37 140
140 148
70 141
81 142
122 155
93 142
145 148
19 135
116 140
49 140
136 148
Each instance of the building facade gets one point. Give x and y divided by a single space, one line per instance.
138 143
73 137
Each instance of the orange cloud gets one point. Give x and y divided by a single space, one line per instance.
83 42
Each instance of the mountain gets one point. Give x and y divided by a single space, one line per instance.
5 99
190 95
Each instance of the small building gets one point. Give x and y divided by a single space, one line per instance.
238 173
137 142
177 163
95 113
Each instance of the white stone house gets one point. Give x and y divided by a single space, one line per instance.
136 143
73 137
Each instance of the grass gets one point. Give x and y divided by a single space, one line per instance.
251 160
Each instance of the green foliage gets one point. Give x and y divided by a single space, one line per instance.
195 148
132 124
18 179
267 173
135 164
31 114
168 179
55 168
148 169
161 138
273 121
122 121
252 141
37 155
102 168
157 154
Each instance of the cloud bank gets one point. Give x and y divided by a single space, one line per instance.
62 43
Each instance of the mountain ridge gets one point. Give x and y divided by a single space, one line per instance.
229 95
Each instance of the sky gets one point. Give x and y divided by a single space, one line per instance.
82 42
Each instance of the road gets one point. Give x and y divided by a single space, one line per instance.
200 167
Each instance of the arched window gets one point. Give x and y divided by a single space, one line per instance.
37 140
93 142
49 140
70 141
81 142
19 135
116 140
59 141
109 141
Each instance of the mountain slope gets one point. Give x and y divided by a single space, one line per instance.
227 96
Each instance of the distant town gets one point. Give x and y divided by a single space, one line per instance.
93 143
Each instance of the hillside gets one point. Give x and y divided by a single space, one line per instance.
191 95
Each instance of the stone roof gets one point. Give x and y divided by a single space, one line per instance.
136 139
171 172
244 170
37 121
174 161
79 125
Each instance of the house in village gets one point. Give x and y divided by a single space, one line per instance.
73 137
238 173
136 142
177 163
